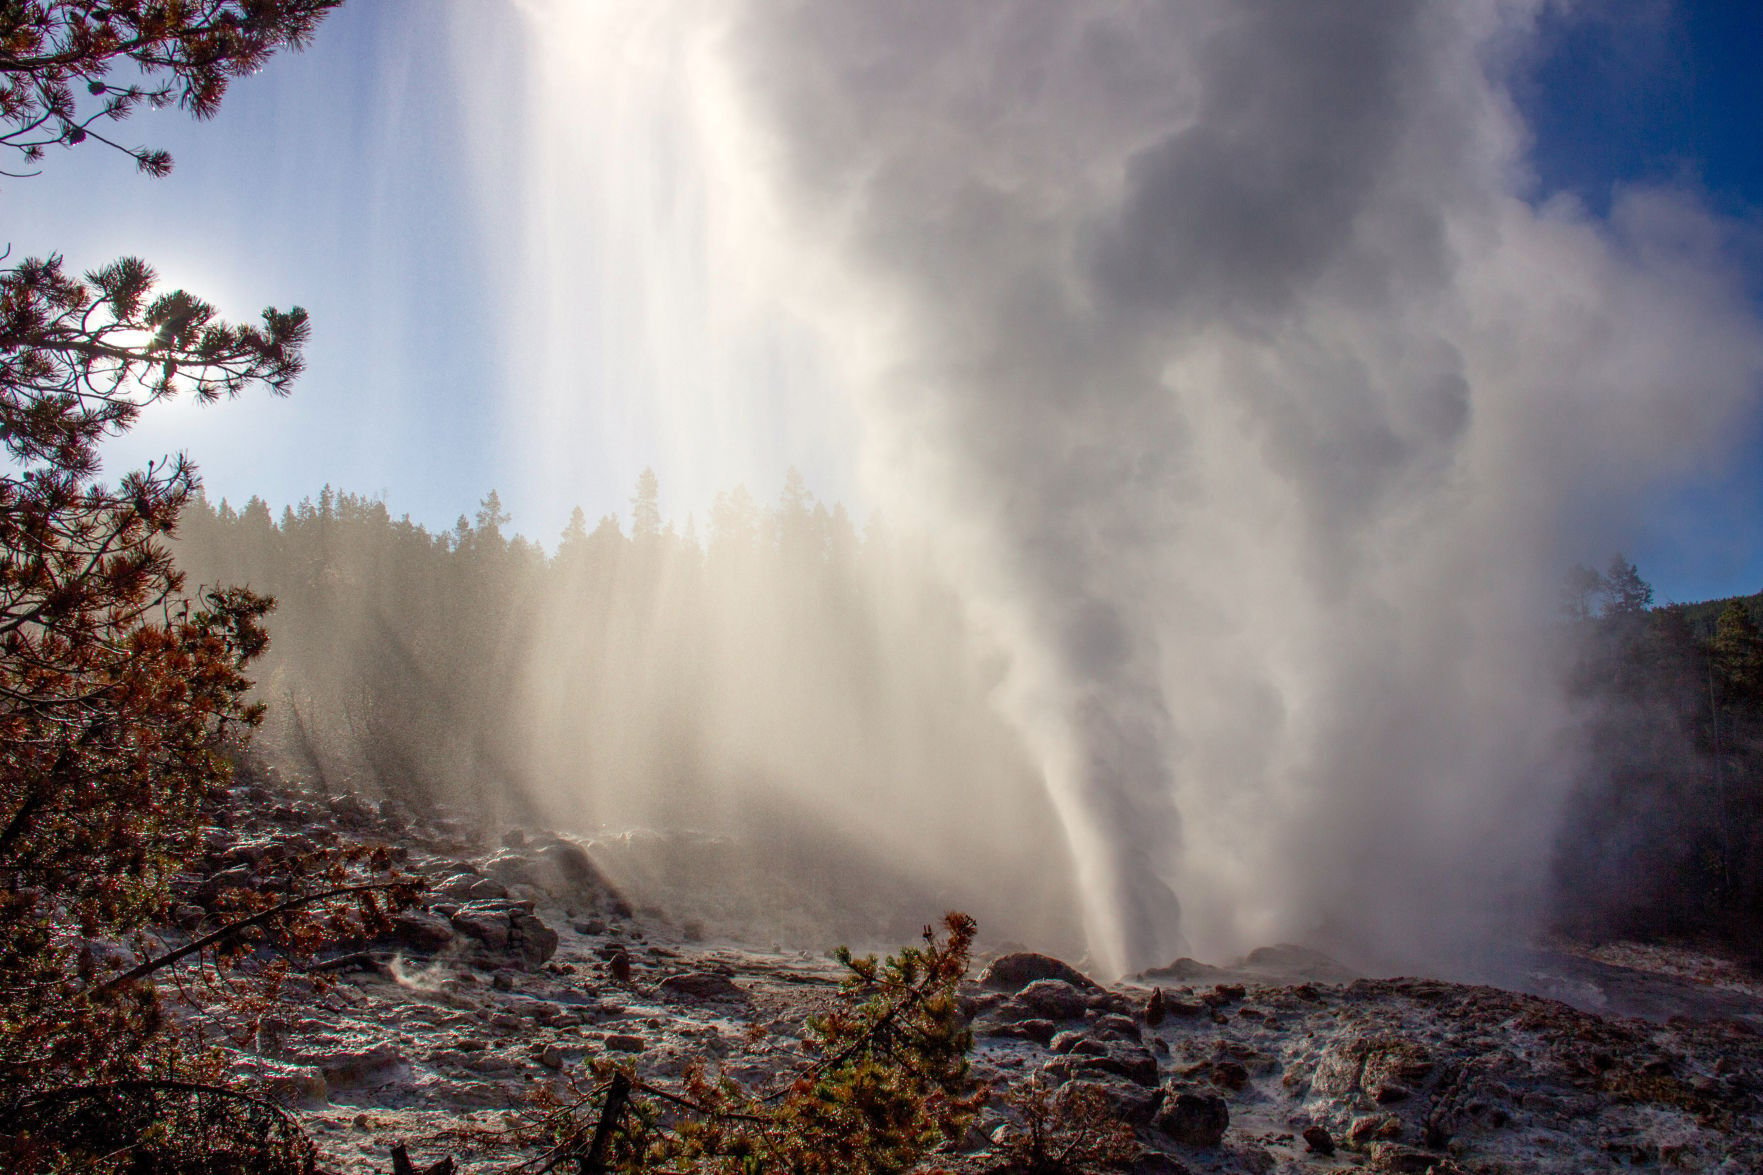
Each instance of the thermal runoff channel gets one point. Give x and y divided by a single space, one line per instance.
1243 386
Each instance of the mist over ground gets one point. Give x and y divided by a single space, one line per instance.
780 730
1251 397
1243 393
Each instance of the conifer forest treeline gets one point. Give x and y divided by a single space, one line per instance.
1664 832
772 673
650 672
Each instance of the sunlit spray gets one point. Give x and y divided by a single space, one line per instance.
1231 365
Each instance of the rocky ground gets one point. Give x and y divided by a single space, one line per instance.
524 962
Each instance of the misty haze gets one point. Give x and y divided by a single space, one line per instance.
1227 524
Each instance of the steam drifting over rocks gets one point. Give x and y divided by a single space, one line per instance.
1257 1068
1249 387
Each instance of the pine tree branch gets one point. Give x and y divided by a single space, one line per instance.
142 970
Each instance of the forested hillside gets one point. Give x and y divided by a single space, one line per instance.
1703 618
779 673
1665 831
653 675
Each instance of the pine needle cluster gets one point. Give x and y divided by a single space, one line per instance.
57 57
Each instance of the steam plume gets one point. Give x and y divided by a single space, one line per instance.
1250 395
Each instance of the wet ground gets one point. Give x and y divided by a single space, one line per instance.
1620 1056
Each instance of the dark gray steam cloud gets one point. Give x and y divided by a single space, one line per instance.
1254 407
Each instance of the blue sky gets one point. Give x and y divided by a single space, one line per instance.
333 181
352 179
1658 93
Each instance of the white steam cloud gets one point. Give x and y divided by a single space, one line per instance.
1251 399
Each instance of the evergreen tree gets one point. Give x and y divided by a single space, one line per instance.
491 518
114 692
1625 592
1738 653
734 524
575 534
1579 591
118 690
646 509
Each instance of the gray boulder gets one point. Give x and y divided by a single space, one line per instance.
506 933
468 886
365 1066
422 931
1015 972
1194 1119
701 985
561 869
1093 1059
1049 999
1038 1031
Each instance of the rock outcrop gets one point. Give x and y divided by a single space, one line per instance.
1016 971
524 965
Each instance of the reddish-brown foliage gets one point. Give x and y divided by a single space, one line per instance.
119 690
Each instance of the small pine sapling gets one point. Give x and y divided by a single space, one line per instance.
1064 1132
888 1084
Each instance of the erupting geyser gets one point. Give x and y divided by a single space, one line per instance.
1225 350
